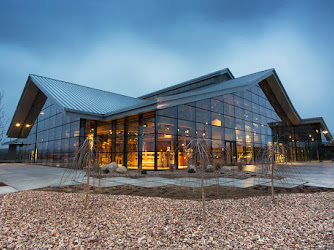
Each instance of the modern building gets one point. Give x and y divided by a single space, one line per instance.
240 115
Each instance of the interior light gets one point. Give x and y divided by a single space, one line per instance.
317 131
42 113
110 132
203 134
17 124
325 132
28 125
310 135
144 125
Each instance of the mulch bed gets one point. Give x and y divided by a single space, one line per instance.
186 193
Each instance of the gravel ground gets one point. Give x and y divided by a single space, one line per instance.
43 220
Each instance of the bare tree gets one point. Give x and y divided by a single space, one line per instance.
3 119
200 154
274 161
88 159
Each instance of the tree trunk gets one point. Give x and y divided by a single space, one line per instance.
203 200
87 185
272 175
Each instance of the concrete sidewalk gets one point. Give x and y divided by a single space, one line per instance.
20 177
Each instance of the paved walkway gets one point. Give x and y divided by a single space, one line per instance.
20 177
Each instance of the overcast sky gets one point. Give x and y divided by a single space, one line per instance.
135 47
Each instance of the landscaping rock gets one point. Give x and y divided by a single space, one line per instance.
227 168
111 167
121 170
191 169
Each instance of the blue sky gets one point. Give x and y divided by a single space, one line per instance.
135 47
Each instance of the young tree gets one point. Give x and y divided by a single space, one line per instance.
3 119
200 154
88 159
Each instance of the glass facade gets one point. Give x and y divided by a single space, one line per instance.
239 125
53 139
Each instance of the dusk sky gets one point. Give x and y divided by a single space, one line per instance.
136 47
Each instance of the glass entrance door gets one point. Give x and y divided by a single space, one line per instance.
231 152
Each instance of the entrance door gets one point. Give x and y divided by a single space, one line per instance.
231 152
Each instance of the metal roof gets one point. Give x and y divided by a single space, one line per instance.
189 82
81 98
90 103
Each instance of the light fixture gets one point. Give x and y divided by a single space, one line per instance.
204 134
18 124
312 139
317 131
310 135
187 131
42 113
28 125
325 132
144 125
110 132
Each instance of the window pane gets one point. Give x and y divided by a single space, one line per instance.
217 106
202 116
186 128
186 112
148 125
203 104
217 119
166 125
170 112
148 143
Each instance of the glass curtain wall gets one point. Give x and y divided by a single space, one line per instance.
53 139
236 124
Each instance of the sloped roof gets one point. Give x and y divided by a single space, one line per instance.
190 84
277 94
90 103
237 82
70 97
80 98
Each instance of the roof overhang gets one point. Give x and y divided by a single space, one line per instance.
31 103
323 126
279 99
